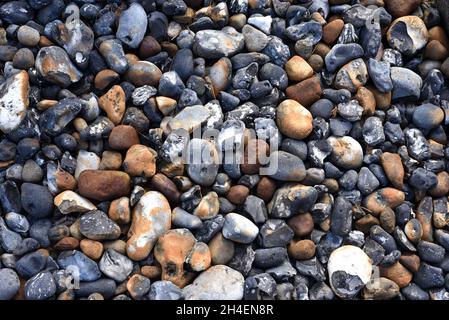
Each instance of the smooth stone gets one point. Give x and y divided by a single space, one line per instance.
255 40
218 282
203 162
132 25
406 84
40 287
9 284
36 200
96 225
289 167
165 290
115 265
347 153
349 270
78 262
239 229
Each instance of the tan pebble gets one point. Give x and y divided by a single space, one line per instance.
92 249
377 201
397 273
105 78
332 30
294 120
221 249
301 249
140 160
298 69
110 160
103 185
113 103
394 170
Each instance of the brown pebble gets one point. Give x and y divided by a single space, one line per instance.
105 78
256 153
383 100
143 73
301 249
134 286
64 180
387 220
208 206
305 92
436 51
424 214
332 30
322 49
442 187
103 185
410 261
394 170
122 137
266 189
221 249
140 160
366 99
397 273
199 258
113 103
120 211
365 223
377 201
438 33
110 160
400 8
164 185
301 224
91 248
151 272
413 230
220 75
149 47
238 194
67 243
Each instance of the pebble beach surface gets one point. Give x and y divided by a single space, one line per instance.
224 150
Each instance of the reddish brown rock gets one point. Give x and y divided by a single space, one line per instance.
105 78
123 137
377 201
332 30
149 47
103 185
305 92
110 160
301 224
167 187
392 165
397 273
400 8
266 189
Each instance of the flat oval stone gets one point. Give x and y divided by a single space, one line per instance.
288 167
54 65
104 185
143 73
13 101
428 116
293 119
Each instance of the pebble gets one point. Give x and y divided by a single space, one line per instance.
380 289
115 265
165 290
349 271
217 283
40 287
54 65
13 101
78 262
151 218
36 200
212 44
132 25
294 120
10 284
103 185
239 229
